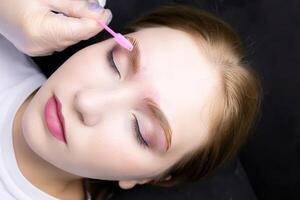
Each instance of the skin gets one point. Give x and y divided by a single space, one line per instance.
98 106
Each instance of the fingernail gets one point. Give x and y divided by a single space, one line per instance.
109 17
95 7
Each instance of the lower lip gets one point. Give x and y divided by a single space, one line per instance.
54 118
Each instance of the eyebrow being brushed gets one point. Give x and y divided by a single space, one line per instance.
134 55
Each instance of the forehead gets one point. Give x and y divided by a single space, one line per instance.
184 81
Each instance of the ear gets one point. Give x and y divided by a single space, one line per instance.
131 183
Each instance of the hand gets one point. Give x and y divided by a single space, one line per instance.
34 29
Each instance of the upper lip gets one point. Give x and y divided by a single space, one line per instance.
60 115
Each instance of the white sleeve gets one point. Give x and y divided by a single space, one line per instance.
4 194
102 2
14 65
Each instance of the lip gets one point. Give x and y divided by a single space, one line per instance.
55 119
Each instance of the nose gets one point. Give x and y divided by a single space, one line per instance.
93 104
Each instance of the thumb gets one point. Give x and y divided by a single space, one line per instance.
76 8
78 22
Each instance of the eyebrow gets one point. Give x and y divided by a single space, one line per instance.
134 54
150 103
161 118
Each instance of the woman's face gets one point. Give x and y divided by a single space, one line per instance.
100 105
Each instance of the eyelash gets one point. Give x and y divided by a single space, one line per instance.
112 62
111 57
138 132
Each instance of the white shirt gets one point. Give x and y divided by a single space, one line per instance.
19 77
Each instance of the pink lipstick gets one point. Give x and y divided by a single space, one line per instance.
54 118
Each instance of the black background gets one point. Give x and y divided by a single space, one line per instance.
270 29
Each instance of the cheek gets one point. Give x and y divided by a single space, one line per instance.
115 136
81 71
107 151
120 152
33 122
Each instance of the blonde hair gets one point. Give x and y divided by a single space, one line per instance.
235 113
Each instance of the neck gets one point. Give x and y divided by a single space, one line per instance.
41 174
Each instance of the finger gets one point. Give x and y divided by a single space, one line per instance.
77 8
67 30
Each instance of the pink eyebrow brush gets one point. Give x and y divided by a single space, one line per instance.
117 36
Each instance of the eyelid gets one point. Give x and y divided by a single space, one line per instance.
132 56
139 136
112 63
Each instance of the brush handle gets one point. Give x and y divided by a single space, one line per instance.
106 28
117 36
124 42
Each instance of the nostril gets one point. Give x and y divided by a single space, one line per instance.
91 121
80 116
87 106
81 106
88 119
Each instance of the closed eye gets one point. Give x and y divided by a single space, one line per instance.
112 63
138 134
